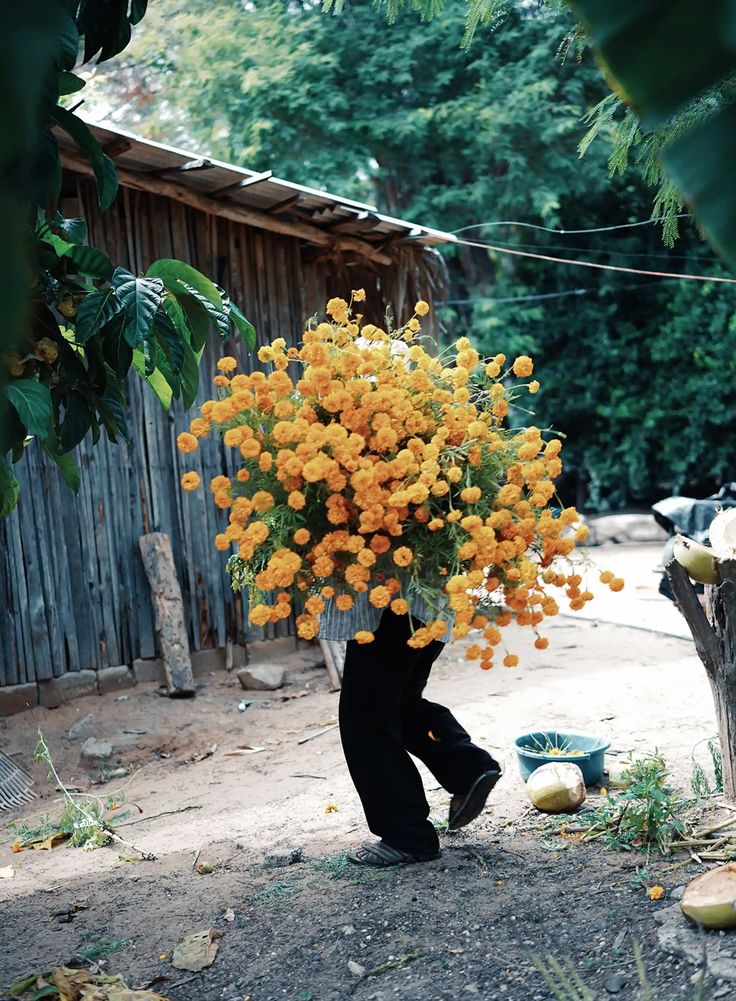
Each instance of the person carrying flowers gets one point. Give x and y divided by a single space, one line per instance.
382 498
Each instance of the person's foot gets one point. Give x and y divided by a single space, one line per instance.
466 807
380 855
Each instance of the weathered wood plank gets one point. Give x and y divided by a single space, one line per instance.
158 560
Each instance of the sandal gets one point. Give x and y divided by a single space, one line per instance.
465 809
380 855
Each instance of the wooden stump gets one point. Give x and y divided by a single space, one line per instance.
714 633
158 561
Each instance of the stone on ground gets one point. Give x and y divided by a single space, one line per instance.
95 752
261 677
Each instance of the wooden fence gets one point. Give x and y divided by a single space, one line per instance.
72 588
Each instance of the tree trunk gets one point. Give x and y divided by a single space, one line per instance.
714 634
158 561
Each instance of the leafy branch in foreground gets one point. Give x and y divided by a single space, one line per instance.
82 819
66 347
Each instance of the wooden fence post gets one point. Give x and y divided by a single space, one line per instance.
158 561
714 634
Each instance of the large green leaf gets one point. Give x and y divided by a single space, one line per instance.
70 83
67 466
246 328
104 170
167 268
94 311
9 489
696 163
140 298
662 53
90 261
155 380
170 339
77 421
32 403
197 318
189 377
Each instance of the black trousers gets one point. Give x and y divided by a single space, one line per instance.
384 719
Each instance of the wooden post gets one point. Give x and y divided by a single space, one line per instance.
334 654
158 561
714 633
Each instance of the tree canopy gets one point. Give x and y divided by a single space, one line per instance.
401 115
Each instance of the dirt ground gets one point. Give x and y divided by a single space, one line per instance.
505 890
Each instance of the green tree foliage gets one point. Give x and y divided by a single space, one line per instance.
401 115
69 341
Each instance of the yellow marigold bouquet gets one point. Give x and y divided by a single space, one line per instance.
376 471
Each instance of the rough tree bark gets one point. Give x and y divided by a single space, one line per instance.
714 633
158 561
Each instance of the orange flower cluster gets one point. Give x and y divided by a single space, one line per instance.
372 468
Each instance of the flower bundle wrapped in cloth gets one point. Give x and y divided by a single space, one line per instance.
376 473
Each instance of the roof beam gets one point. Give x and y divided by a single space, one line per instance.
199 164
232 210
245 182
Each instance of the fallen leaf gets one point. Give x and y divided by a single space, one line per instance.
332 808
241 750
229 914
46 844
197 951
7 872
655 892
67 984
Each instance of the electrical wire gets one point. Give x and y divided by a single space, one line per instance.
553 295
612 253
565 232
592 264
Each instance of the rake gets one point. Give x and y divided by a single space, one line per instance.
15 784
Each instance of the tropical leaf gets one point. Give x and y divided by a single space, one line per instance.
140 298
70 83
189 376
9 489
246 328
77 421
90 261
185 273
32 403
93 312
155 380
103 168
65 462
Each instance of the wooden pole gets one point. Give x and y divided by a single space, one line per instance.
714 634
334 654
158 561
232 210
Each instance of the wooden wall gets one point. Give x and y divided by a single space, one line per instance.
72 590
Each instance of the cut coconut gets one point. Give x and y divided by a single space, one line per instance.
557 787
696 559
710 900
722 534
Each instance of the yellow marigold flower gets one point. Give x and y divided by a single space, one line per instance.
358 295
259 615
421 308
435 524
331 808
510 660
379 597
403 556
307 626
338 309
191 480
314 605
221 381
470 495
199 427
413 325
296 500
399 606
454 474
606 577
250 448
533 386
233 437
265 354
222 542
301 536
327 592
242 476
186 442
655 892
541 642
344 602
493 370
363 636
617 584
227 364
262 501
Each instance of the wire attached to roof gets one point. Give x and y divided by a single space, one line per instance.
564 232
